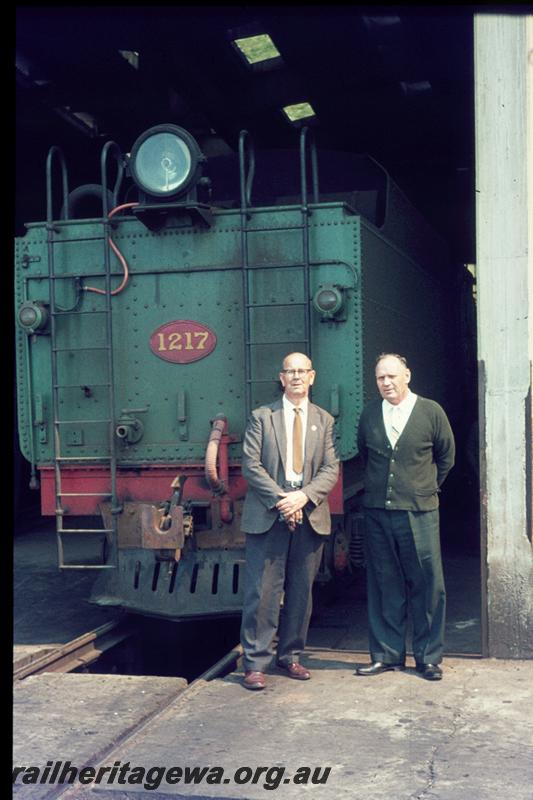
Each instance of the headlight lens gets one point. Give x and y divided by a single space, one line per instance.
328 300
32 316
165 161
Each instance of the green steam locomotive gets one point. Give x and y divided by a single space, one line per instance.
147 330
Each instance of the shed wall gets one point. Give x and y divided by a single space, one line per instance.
504 196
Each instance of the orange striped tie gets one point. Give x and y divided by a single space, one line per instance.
297 461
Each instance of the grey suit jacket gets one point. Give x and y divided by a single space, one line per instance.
263 466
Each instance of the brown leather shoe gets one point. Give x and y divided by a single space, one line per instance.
296 670
254 680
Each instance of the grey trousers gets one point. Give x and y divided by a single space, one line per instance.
278 561
404 563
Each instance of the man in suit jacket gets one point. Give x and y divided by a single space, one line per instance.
407 446
290 464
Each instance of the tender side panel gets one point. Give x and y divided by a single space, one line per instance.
184 275
407 309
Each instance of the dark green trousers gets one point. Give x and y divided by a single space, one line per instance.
404 566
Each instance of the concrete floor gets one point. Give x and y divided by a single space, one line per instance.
392 737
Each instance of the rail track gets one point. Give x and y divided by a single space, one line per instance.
79 652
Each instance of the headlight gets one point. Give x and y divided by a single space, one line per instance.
328 300
32 316
166 161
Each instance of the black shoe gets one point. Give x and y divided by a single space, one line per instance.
376 667
431 672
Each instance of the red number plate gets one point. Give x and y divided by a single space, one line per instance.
182 341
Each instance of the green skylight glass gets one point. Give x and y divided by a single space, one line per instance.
257 48
299 111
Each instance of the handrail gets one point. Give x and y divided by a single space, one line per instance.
56 151
116 151
303 166
246 178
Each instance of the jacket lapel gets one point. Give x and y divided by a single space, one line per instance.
311 439
278 423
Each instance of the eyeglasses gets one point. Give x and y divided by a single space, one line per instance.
299 372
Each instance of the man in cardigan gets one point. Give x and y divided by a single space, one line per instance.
407 447
290 464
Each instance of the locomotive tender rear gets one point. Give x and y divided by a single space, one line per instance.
131 366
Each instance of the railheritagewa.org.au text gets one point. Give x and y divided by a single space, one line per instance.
151 778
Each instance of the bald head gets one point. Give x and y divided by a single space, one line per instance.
297 376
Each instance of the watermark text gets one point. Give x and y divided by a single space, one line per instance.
151 778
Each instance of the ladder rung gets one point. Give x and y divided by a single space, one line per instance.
61 313
252 267
77 349
101 459
78 386
275 305
87 566
288 341
268 230
81 421
84 494
75 241
85 530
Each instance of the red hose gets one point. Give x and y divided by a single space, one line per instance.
218 484
118 254
211 453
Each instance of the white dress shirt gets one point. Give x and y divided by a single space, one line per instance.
395 416
289 414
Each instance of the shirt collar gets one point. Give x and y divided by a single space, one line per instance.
288 405
406 404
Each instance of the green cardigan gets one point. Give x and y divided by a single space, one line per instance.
407 477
